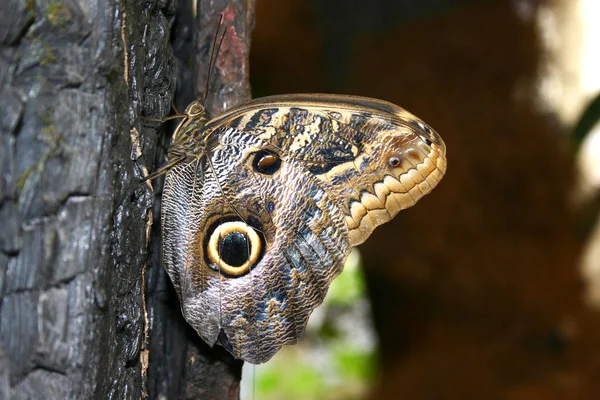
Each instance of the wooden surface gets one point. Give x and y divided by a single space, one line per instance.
76 81
85 308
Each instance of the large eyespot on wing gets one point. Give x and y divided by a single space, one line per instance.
233 246
305 242
204 238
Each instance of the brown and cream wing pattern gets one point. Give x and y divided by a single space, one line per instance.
348 142
259 217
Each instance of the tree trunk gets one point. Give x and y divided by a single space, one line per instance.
85 312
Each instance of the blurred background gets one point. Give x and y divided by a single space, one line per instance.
490 286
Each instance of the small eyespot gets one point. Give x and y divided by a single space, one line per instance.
266 162
271 206
427 141
394 162
234 247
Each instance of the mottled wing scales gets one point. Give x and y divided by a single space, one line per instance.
344 165
184 217
268 307
347 142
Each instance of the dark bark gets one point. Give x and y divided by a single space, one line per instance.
79 82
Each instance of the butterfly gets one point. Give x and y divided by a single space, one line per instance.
262 204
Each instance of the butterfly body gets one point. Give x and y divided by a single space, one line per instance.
264 202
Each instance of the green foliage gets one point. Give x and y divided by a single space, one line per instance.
295 380
347 375
349 286
355 364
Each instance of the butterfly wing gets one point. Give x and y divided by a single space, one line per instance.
349 143
302 244
343 167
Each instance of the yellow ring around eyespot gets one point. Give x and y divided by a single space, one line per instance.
225 229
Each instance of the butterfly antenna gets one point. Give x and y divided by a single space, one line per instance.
174 107
216 46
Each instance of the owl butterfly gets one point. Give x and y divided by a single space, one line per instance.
262 204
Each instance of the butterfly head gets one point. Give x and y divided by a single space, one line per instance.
189 138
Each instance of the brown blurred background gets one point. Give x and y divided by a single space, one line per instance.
477 291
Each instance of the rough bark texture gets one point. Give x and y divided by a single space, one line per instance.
181 365
79 81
